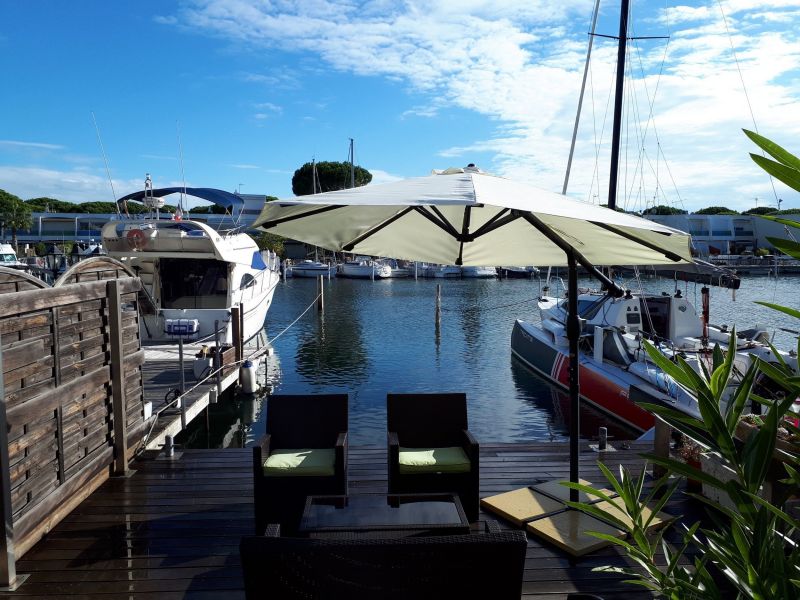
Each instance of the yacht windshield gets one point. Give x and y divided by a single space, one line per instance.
8 258
193 283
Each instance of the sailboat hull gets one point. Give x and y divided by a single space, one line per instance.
605 386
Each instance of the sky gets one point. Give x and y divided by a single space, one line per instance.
237 94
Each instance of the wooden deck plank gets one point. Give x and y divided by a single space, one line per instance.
172 529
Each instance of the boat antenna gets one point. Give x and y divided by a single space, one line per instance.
314 175
179 212
108 172
580 98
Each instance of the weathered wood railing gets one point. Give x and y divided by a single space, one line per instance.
71 401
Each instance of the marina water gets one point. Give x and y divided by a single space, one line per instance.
379 337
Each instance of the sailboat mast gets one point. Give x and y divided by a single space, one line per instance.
623 40
352 166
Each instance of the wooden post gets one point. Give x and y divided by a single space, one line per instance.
236 331
8 566
661 445
117 378
320 295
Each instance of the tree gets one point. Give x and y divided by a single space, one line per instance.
51 205
271 241
662 209
760 210
716 210
14 214
330 175
97 207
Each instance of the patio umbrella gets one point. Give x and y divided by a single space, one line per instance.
467 217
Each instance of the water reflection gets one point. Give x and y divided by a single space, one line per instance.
334 351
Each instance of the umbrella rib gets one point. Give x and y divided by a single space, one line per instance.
443 224
551 235
494 223
311 213
633 238
447 225
370 232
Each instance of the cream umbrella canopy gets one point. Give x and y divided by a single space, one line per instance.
467 217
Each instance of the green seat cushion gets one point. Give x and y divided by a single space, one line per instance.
433 460
304 462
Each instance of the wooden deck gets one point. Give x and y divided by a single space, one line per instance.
172 529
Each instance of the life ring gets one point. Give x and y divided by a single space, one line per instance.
136 239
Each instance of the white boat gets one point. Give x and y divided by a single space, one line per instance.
517 272
397 269
443 271
311 268
615 370
8 258
364 268
192 271
478 272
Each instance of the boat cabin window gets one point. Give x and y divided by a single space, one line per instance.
193 283
655 315
8 258
247 281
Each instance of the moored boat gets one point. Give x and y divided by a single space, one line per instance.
615 370
364 268
311 268
191 271
471 272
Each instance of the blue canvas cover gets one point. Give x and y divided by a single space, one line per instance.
221 198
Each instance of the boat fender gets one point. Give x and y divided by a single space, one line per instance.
136 239
247 378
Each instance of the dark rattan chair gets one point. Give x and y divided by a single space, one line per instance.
486 565
432 421
295 422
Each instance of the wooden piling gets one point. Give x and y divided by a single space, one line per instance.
320 294
236 331
438 306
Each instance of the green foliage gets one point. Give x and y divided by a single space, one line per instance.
662 209
14 214
213 209
760 210
51 205
785 167
761 252
331 176
97 207
270 241
749 543
716 210
789 211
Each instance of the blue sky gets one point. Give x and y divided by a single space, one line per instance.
257 88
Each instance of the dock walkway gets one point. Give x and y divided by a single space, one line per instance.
172 529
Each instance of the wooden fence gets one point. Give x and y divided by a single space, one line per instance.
71 398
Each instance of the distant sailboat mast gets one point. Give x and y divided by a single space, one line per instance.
352 165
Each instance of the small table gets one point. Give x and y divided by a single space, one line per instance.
375 515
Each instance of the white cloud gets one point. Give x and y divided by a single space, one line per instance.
244 166
519 64
15 144
72 186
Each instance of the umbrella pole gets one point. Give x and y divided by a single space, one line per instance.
573 334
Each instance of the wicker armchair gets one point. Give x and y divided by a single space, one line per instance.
297 422
485 565
432 421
